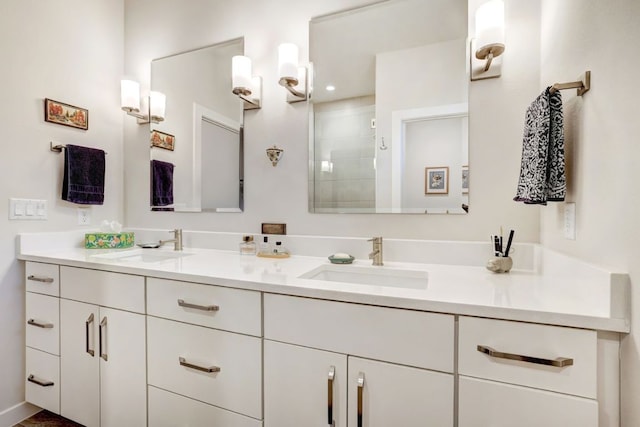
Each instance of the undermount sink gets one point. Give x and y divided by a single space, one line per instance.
374 276
142 255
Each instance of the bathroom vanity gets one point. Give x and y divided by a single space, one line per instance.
210 337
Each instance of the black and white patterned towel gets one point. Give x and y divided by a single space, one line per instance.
542 171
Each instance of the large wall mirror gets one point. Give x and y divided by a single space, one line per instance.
389 112
204 124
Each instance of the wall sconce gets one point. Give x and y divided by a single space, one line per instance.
488 44
274 154
247 87
292 76
132 104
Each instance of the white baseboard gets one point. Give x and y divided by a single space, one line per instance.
17 413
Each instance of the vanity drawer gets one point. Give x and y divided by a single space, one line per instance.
42 278
413 338
42 386
169 410
236 387
43 322
488 403
237 310
541 343
115 290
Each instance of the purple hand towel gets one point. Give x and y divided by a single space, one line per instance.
83 181
161 183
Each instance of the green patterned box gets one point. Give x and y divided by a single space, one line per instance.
108 240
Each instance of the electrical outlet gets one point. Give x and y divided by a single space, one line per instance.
570 221
84 216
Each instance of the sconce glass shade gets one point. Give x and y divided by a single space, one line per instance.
490 24
130 95
157 106
288 64
241 75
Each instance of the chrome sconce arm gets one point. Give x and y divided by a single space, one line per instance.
244 85
293 77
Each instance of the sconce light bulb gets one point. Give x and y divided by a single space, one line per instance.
130 96
490 24
157 106
288 64
241 75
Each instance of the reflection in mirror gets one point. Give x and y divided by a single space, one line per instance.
389 102
205 119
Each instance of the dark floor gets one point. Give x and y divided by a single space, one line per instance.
47 419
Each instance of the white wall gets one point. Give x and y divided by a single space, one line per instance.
601 130
155 28
70 53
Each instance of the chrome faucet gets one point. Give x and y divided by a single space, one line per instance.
177 239
376 255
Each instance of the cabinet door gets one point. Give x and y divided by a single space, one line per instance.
488 403
123 379
80 381
297 386
383 394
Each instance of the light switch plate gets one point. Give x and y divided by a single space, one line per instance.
27 209
570 221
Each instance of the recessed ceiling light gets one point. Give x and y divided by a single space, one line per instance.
330 88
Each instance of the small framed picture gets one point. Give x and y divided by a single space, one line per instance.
465 179
65 114
436 180
162 140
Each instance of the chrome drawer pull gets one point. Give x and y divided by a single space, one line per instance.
208 370
33 322
559 362
103 326
181 303
360 397
87 349
43 383
40 279
332 375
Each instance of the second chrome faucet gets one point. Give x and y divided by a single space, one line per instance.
177 239
376 253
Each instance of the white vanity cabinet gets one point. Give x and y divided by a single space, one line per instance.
523 374
42 336
205 355
360 365
102 348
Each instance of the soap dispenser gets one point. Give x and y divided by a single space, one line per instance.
247 246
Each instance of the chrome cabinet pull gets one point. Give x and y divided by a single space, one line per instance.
360 390
33 322
210 369
43 383
103 324
181 303
88 322
559 362
40 279
332 375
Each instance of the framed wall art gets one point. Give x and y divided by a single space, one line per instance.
162 140
436 180
65 114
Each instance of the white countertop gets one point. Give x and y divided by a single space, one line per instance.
567 293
